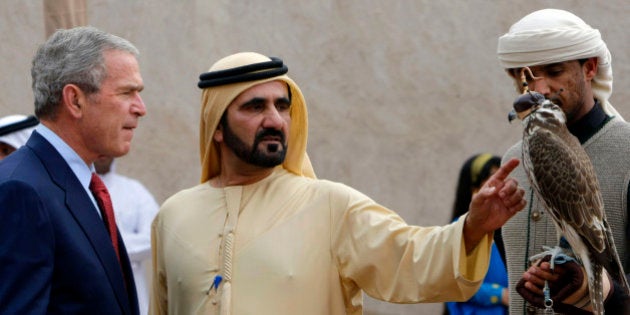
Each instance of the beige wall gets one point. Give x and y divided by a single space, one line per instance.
399 92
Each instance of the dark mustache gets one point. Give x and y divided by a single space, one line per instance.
270 132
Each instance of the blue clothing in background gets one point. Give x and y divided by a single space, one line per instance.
487 300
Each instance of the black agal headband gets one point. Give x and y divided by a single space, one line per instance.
253 72
30 121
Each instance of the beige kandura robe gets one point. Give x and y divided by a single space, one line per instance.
295 245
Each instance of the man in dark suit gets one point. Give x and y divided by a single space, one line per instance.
56 254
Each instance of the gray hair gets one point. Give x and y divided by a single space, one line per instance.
72 56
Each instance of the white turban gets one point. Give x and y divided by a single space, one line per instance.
550 36
16 138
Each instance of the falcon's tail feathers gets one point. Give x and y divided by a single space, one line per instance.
595 286
615 268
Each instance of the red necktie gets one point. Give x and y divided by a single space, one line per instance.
107 210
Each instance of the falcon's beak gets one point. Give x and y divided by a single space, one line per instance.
512 115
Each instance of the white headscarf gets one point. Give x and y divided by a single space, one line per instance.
17 138
551 36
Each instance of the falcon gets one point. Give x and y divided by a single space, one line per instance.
562 177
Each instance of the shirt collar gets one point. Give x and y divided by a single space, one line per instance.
81 170
590 124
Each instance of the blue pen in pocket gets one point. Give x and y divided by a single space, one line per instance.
216 282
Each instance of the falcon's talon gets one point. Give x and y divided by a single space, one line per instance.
559 255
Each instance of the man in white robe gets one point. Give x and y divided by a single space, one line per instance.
262 235
14 132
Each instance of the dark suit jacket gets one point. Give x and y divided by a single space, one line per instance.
55 253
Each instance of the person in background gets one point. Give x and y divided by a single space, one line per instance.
135 208
493 295
260 234
14 131
570 65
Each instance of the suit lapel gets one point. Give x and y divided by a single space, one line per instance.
82 209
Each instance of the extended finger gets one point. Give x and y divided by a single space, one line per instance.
505 169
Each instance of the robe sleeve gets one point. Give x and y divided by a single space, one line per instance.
390 260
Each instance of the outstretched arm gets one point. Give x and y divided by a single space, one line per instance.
497 201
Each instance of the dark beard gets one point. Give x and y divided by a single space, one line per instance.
271 156
580 91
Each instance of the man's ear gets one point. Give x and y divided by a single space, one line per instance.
218 134
590 68
73 99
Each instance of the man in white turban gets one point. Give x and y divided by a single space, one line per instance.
14 131
261 235
571 65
